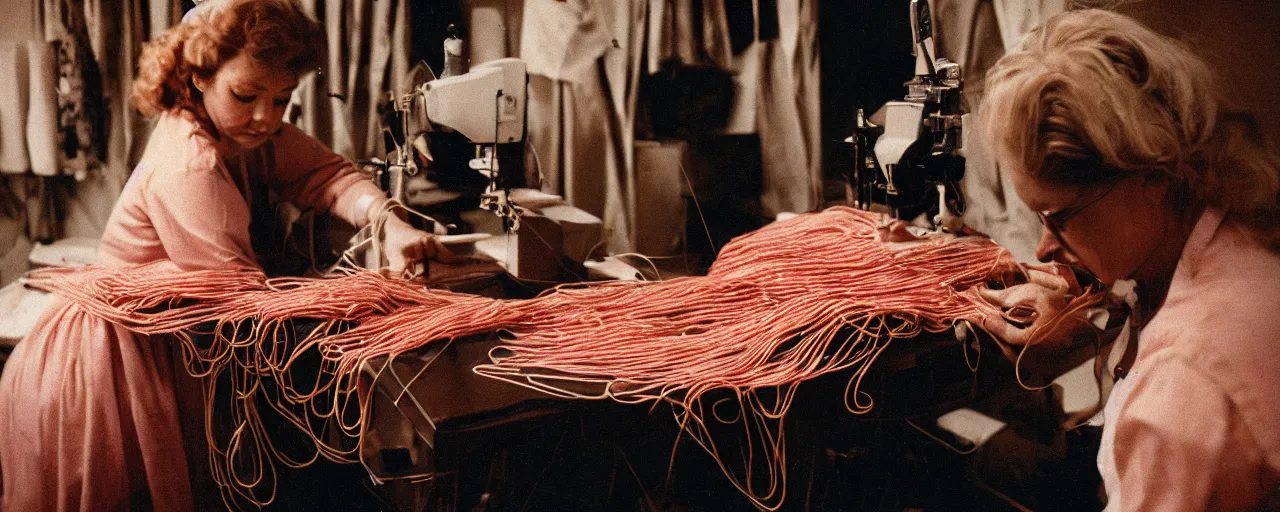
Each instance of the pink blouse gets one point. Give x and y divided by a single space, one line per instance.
186 204
1196 424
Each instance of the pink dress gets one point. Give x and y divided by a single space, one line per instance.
1196 423
88 418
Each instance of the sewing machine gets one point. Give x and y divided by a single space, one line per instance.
486 106
436 122
912 165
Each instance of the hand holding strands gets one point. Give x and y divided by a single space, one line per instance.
1038 308
797 299
813 295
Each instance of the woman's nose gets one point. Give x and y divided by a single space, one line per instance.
1049 246
261 110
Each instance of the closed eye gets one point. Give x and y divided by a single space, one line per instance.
244 99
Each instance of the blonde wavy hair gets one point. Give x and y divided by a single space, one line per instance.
1093 95
274 32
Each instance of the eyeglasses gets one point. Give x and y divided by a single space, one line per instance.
1055 220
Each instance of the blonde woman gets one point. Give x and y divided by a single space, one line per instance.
1141 169
87 409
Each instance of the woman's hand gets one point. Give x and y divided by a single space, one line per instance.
1048 292
1040 312
408 248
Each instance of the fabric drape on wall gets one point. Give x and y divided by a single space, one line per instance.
28 108
968 32
116 30
976 33
788 111
584 64
81 113
368 57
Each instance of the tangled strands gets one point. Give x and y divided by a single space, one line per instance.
790 302
816 294
236 330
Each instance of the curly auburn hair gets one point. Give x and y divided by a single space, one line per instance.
274 32
1093 95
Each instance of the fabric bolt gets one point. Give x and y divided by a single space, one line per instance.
1196 423
490 35
29 111
88 415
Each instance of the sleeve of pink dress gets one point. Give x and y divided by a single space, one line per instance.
311 176
200 217
1197 458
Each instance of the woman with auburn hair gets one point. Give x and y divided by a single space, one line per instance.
87 409
1141 169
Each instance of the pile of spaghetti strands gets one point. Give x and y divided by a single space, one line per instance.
792 301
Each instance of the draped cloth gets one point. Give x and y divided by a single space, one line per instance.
788 111
975 34
585 63
368 58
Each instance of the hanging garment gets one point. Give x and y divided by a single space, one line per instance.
563 40
29 116
38 198
968 33
581 119
788 112
368 58
750 21
162 14
691 32
1017 17
81 114
117 29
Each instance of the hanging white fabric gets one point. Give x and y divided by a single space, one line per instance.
29 108
562 38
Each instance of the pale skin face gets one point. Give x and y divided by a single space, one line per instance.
1113 238
246 100
1123 229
